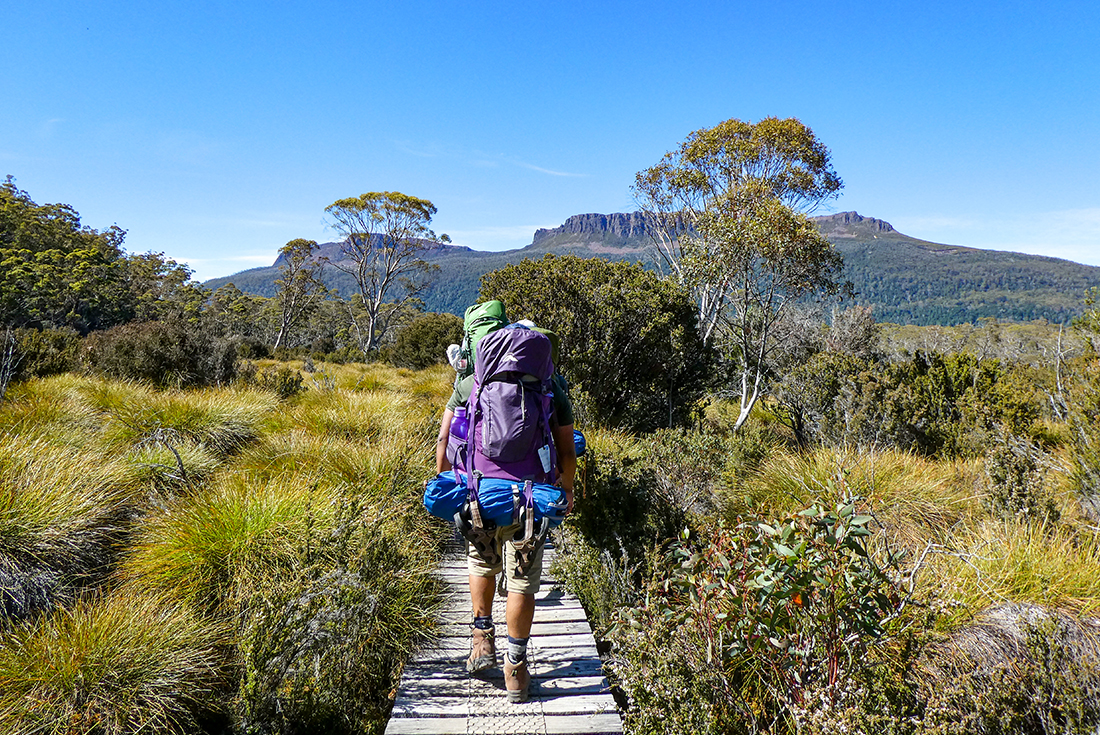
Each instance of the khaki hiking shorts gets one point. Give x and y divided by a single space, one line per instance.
528 585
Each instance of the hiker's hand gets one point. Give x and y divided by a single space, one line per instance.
568 500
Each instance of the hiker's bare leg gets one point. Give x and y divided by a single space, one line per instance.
520 614
481 594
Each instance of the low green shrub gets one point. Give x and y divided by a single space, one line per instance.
423 341
320 646
45 352
738 627
172 354
282 381
1016 471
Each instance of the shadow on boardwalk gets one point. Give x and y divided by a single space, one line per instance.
569 693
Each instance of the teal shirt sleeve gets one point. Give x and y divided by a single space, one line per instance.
461 392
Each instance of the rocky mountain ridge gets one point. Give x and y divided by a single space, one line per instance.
904 279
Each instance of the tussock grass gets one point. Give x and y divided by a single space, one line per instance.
199 549
51 409
223 420
350 415
127 663
157 467
1016 561
62 514
915 500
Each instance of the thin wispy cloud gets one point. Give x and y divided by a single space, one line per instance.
540 169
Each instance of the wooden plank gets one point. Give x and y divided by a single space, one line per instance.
580 704
601 724
428 726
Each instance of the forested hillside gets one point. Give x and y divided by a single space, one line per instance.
903 279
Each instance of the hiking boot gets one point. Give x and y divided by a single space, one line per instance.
483 651
517 680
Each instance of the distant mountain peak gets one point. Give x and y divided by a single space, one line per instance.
626 225
850 224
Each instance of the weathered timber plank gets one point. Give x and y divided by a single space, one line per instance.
602 724
426 726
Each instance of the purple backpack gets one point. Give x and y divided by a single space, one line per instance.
509 409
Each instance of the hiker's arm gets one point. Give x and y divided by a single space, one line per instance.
567 460
441 463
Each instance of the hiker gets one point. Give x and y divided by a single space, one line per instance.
500 551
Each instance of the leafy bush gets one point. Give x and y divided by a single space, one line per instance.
628 339
1016 470
738 627
45 352
423 342
282 381
167 354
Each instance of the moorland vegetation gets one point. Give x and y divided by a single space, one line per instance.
790 518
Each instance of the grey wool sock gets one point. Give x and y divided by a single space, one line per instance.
517 649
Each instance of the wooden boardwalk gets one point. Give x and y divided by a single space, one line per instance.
569 693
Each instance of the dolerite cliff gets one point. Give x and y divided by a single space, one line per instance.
625 226
850 225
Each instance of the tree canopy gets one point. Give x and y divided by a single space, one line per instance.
731 226
384 234
628 338
55 272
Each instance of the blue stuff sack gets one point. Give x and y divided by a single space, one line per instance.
549 502
578 442
443 495
496 501
495 497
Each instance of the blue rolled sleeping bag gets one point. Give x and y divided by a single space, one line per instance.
444 495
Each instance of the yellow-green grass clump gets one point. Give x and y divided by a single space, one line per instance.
351 415
224 420
166 469
63 513
52 409
1019 561
204 544
125 663
914 499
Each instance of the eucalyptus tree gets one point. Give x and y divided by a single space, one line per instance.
385 234
300 288
729 218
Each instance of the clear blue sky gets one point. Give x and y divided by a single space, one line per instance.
217 131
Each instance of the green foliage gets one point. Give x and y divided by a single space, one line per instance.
423 342
300 289
1016 470
728 208
167 354
753 617
628 339
385 233
282 381
56 273
934 403
45 352
318 646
